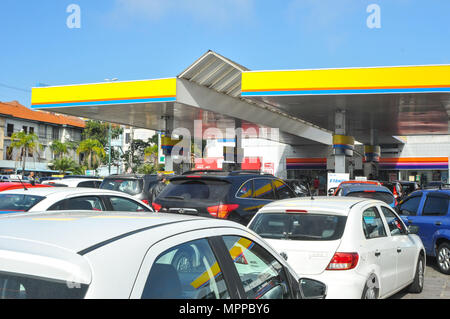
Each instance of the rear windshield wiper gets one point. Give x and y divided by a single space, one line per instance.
290 236
174 197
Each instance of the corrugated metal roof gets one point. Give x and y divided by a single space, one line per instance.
217 73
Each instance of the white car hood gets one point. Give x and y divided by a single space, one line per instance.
306 257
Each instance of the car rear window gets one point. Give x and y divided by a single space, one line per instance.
22 287
383 196
301 226
129 186
18 202
210 190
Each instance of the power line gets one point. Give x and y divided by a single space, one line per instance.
15 88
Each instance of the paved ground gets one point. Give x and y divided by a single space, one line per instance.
436 286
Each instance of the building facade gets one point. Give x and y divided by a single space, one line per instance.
49 127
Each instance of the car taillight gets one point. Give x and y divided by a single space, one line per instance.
156 206
145 201
222 211
343 261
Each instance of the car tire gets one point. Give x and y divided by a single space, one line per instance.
183 261
417 284
371 289
443 258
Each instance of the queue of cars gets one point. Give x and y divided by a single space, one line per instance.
274 244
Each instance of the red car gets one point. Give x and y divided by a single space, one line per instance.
17 185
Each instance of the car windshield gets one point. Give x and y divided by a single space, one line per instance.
301 226
129 186
18 202
23 287
383 196
209 190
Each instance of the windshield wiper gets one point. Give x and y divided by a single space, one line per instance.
175 197
301 236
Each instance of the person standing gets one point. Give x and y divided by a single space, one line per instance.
31 178
316 185
158 188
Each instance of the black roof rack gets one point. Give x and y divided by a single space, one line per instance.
204 171
222 172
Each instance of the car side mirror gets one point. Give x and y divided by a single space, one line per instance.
413 229
312 289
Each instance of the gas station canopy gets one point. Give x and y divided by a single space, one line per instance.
394 101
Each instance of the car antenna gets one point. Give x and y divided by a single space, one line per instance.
309 190
21 182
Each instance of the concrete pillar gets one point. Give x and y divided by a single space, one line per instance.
372 155
169 126
343 145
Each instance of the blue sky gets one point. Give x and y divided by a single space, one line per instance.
143 39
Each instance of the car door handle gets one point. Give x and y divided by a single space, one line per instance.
377 253
399 250
438 223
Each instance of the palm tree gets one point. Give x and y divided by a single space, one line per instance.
64 164
26 143
94 151
59 148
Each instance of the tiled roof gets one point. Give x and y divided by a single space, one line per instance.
15 109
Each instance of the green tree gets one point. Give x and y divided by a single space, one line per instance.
26 144
93 150
64 164
59 148
98 130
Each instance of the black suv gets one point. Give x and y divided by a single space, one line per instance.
236 195
136 185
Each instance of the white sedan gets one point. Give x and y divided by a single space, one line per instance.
68 198
131 255
359 247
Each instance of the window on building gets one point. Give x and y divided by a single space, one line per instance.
55 133
25 129
10 130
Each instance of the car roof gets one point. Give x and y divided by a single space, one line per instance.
432 190
54 244
336 204
68 230
369 182
46 191
74 180
368 187
129 176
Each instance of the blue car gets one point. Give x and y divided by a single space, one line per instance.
369 191
430 211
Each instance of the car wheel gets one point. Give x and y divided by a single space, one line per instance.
183 261
417 284
443 258
370 290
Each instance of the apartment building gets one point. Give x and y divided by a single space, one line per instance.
15 117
